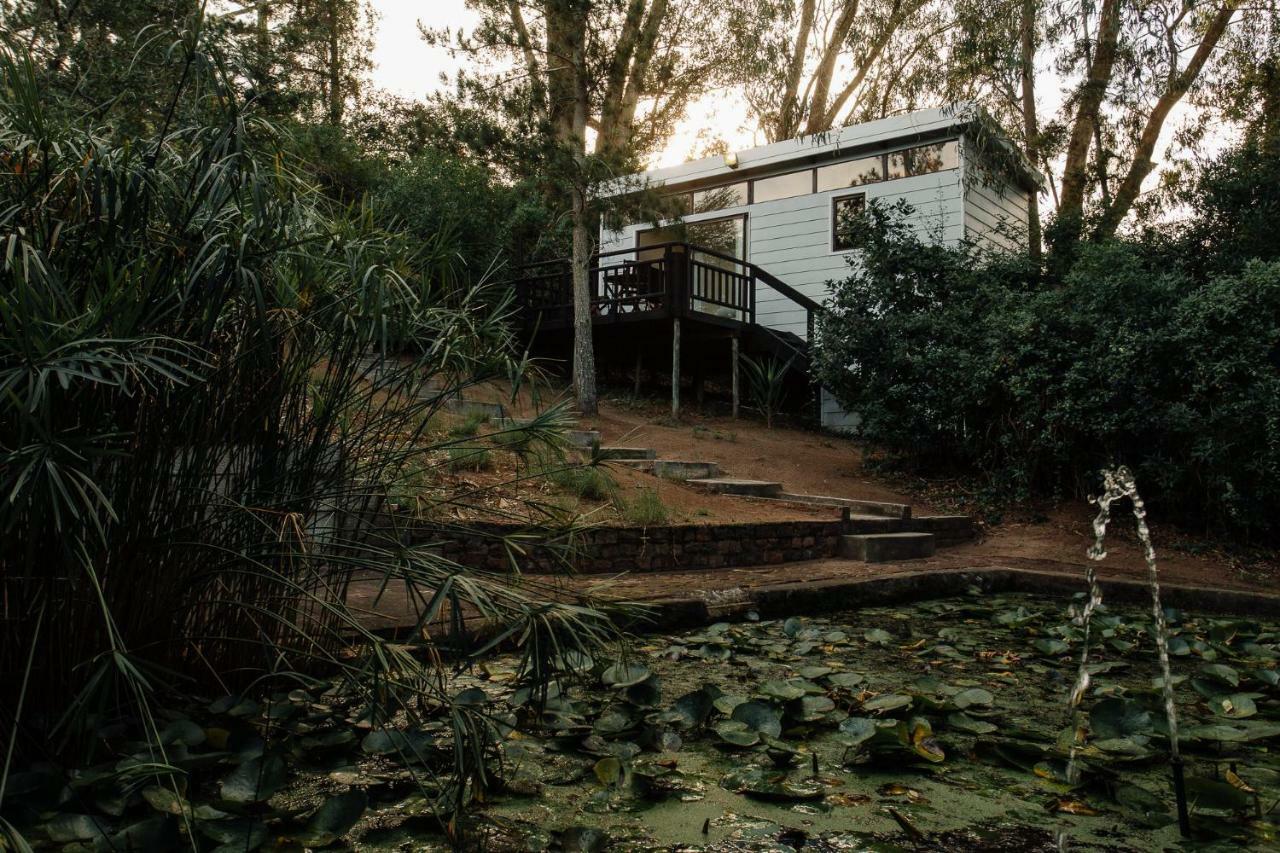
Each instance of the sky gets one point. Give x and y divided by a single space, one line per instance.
407 66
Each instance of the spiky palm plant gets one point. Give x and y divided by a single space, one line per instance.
209 380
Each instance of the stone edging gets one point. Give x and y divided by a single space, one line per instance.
601 550
800 598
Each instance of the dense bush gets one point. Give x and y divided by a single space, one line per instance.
958 358
198 431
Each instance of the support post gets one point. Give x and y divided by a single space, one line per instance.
734 356
639 365
675 368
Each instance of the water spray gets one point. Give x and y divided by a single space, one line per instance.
1119 483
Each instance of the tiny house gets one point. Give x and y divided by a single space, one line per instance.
759 242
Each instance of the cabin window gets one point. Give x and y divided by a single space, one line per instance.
851 173
719 198
844 209
924 159
782 186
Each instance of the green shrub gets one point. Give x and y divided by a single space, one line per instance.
469 459
645 509
469 426
588 482
957 359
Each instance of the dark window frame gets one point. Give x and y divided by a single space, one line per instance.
836 200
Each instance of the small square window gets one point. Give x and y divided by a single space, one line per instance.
844 209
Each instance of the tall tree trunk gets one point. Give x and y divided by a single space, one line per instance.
1030 123
1075 174
788 118
335 67
1142 164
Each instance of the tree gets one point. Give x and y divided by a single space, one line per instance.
819 64
598 85
1137 62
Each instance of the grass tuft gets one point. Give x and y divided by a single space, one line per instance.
587 482
646 509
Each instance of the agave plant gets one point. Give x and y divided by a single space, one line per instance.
209 380
766 384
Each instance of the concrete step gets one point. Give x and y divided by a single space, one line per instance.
733 486
861 507
675 469
584 438
628 453
887 547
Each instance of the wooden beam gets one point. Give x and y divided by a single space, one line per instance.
675 368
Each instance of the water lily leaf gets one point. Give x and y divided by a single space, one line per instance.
1267 676
614 720
920 735
1119 718
773 787
1235 706
1148 808
725 703
878 637
759 716
608 770
182 733
812 672
334 818
411 744
244 833
153 833
792 627
807 709
783 691
1221 672
76 827
1204 793
472 696
974 696
735 733
886 702
1214 732
646 694
963 722
1178 646
1051 646
583 839
846 680
165 800
625 674
255 780
694 708
856 730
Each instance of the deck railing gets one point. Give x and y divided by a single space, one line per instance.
663 280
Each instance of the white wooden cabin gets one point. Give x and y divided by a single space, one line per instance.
776 206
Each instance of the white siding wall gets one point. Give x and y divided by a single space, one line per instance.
791 238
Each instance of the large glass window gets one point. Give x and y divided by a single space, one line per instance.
719 198
852 173
782 186
844 209
924 159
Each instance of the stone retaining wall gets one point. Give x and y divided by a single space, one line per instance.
600 550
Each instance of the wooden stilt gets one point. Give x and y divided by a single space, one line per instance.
675 369
639 365
734 356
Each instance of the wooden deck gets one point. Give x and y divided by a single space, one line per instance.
669 291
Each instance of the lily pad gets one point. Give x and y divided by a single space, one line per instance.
255 780
625 674
334 819
760 717
886 702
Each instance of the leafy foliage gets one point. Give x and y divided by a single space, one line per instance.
212 380
958 358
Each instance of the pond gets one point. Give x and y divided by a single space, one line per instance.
942 724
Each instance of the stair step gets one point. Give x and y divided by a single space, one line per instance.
627 453
879 508
887 547
675 469
734 486
584 438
